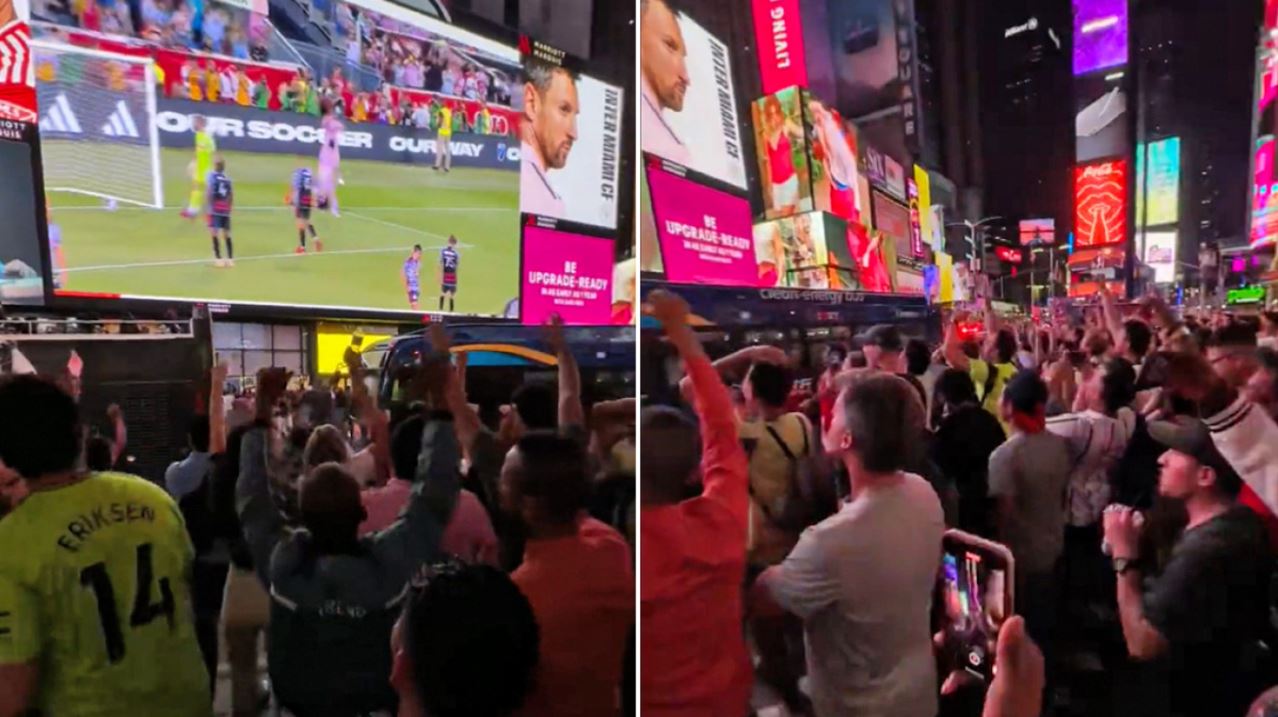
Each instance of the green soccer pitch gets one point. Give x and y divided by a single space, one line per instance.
385 209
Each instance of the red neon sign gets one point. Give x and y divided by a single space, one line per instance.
1100 203
778 30
1008 254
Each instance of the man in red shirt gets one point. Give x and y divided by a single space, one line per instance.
577 573
695 661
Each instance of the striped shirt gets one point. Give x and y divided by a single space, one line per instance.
17 74
1097 442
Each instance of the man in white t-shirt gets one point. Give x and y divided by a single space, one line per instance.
862 580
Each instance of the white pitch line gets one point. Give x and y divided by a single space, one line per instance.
258 257
289 209
403 227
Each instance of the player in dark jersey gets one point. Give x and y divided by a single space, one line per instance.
301 196
221 196
448 261
413 276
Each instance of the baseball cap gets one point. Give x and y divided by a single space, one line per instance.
887 338
1191 437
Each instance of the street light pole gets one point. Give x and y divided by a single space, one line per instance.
976 240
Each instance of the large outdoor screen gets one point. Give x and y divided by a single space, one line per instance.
688 107
1162 186
1100 203
390 185
570 142
705 234
566 274
1100 35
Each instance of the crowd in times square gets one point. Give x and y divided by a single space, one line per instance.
683 358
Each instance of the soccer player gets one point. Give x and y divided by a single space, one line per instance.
55 248
205 148
448 260
95 587
413 276
330 158
220 197
302 197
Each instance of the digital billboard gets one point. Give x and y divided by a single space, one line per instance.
1100 35
1162 187
17 72
1160 255
705 234
1101 123
1264 208
792 252
570 141
357 211
778 32
835 170
21 263
688 107
932 236
566 274
1100 203
1037 231
780 138
863 37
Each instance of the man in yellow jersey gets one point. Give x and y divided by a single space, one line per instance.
95 606
443 144
205 148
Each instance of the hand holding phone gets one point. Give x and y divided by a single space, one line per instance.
975 594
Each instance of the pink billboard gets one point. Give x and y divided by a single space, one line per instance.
778 31
706 235
566 274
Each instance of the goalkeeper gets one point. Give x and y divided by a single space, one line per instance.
205 148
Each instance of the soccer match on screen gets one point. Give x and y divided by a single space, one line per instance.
278 184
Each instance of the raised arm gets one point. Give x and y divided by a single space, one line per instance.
571 412
1109 311
734 364
724 467
121 431
366 410
259 517
217 409
413 539
952 348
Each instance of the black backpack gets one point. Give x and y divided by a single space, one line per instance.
1135 476
808 481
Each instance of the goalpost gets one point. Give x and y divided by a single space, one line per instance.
98 135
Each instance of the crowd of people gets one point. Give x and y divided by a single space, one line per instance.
413 561
792 538
405 56
212 27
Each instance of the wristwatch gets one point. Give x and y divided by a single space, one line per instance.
1122 565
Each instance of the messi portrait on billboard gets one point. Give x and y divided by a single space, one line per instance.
570 142
688 107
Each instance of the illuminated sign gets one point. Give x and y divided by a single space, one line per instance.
1030 24
1163 185
1100 203
778 29
1037 231
1100 35
1008 254
1160 255
1245 295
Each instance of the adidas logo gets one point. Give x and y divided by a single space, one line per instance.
120 123
60 118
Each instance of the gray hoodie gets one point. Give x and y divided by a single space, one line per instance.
332 615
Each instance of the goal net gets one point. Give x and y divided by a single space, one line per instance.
97 123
